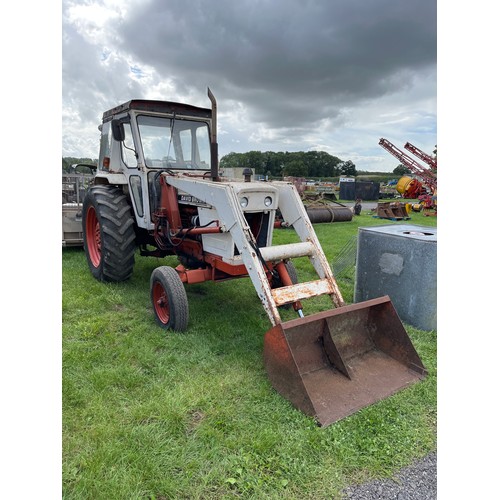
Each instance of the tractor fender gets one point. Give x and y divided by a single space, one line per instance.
113 179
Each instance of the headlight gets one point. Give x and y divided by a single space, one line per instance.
244 202
268 201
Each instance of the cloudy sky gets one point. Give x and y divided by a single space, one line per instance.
288 75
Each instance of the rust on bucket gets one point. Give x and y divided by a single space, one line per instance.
331 364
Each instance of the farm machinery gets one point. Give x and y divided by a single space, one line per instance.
157 191
74 185
424 183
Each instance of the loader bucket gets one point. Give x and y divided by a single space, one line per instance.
331 364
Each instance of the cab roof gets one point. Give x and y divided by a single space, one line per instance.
166 107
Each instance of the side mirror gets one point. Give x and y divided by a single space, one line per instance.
84 168
118 130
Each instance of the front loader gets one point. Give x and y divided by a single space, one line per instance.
158 189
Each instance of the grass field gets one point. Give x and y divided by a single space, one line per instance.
151 414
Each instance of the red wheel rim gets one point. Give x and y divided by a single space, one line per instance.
93 232
160 303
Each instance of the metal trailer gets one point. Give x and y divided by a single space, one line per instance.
74 187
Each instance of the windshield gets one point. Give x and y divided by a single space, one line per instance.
174 143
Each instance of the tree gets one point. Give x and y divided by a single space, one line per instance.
401 170
321 164
347 168
299 163
231 160
256 160
295 168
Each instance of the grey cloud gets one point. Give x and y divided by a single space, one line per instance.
287 74
285 58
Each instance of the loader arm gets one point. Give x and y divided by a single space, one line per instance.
294 214
222 196
231 219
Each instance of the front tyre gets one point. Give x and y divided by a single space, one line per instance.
108 233
169 299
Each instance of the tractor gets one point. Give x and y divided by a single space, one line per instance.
158 192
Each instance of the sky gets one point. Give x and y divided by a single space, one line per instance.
288 75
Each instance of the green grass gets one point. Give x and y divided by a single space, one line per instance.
154 415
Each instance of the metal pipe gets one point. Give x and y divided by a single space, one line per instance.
214 147
200 230
329 214
289 251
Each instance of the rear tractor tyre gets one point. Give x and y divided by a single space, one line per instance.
169 299
108 233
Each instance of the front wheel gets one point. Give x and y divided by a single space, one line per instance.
168 295
292 272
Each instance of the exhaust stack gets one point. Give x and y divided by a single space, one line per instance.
214 146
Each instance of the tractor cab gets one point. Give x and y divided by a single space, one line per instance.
140 139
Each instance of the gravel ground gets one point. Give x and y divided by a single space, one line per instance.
415 482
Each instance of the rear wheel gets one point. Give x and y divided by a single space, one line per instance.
169 299
108 233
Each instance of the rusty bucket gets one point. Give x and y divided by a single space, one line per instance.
331 364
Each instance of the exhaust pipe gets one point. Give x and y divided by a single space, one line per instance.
214 147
